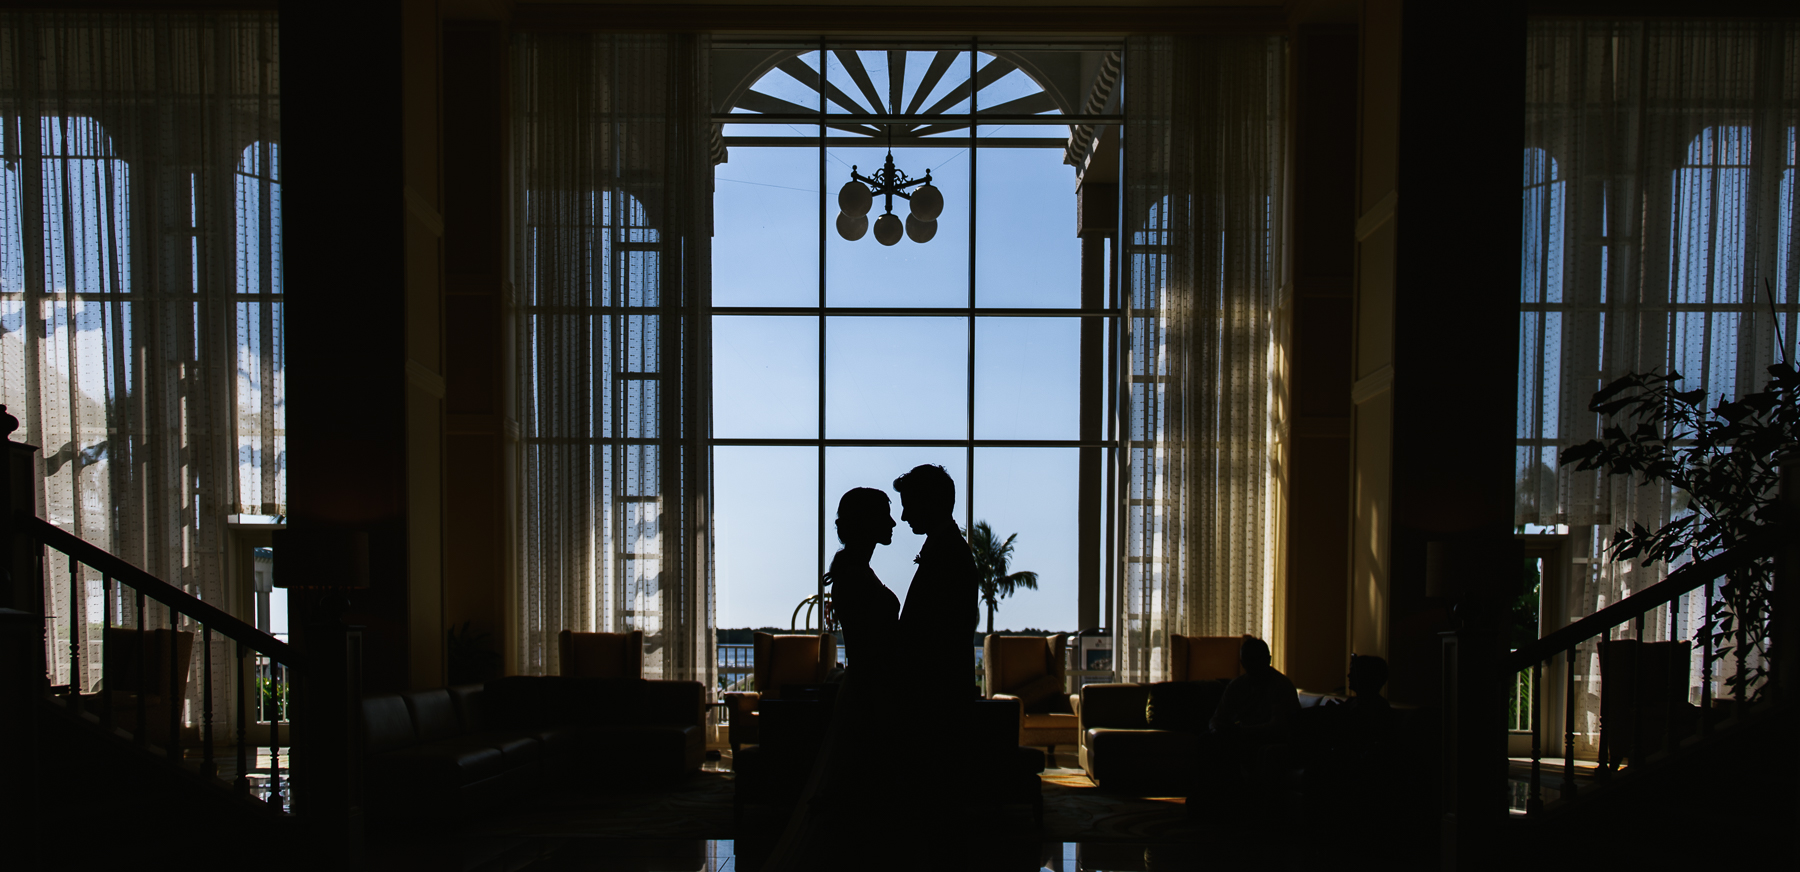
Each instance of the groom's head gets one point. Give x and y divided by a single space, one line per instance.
927 497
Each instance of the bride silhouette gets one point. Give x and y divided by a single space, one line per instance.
849 809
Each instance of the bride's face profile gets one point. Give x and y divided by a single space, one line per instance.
877 527
865 517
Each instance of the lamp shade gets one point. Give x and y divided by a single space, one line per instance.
927 203
920 231
887 229
852 227
854 198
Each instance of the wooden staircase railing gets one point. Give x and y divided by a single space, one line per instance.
142 692
1776 540
156 647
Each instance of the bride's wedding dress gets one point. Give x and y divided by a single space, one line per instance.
852 806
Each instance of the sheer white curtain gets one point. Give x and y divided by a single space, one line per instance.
612 259
1658 221
1203 170
140 296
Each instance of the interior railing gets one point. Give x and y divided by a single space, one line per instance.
150 664
1605 624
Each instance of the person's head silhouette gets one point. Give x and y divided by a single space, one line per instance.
864 518
1367 674
927 498
1253 654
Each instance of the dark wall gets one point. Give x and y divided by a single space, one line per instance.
1319 364
1456 310
476 444
343 244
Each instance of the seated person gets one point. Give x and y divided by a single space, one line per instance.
1347 746
1257 711
1260 704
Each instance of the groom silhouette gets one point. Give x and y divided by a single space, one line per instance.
942 606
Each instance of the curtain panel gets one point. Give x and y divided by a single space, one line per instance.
1203 173
140 300
1658 234
612 273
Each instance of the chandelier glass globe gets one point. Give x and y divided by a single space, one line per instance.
852 227
887 229
919 231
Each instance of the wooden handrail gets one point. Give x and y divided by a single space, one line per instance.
212 616
1762 543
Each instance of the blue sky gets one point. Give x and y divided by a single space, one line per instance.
893 377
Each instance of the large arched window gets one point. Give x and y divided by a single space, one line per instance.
261 364
1712 290
840 363
1543 309
67 310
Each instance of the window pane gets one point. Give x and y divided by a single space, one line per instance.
846 468
765 377
896 378
1027 378
908 273
1027 254
766 228
1032 492
766 533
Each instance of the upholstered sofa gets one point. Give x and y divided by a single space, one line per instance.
458 748
633 727
431 752
1122 750
772 774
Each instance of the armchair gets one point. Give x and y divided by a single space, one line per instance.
1032 670
1204 658
780 661
601 655
145 664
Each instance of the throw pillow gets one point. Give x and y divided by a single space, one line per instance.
1040 694
1182 706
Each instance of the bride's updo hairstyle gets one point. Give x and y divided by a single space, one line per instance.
859 511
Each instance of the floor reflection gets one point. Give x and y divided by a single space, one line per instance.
722 855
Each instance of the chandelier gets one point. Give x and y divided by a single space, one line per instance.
860 192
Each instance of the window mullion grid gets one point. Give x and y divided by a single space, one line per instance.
824 75
969 373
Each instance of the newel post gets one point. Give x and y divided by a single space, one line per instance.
1784 604
21 587
328 744
1472 763
22 674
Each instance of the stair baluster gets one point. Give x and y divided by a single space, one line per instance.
74 637
176 670
141 727
242 782
1535 803
106 634
274 704
1568 786
1706 661
206 701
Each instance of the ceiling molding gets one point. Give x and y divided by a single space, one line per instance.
1092 21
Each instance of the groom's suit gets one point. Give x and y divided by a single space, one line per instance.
942 610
